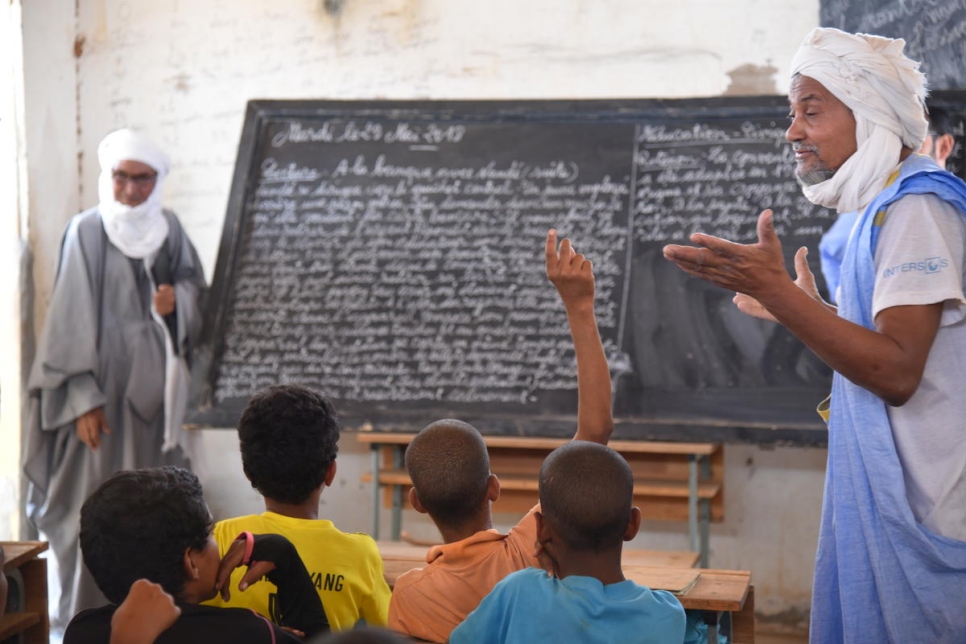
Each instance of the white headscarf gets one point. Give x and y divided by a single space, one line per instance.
138 231
885 91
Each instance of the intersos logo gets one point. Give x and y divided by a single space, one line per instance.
927 266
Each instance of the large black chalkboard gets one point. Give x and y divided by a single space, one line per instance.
934 30
390 255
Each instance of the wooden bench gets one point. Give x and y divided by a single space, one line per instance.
673 481
712 592
27 592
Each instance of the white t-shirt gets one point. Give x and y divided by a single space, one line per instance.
919 261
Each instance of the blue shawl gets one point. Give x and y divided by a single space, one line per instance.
880 576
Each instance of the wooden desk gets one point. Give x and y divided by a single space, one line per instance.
31 618
714 593
398 558
672 481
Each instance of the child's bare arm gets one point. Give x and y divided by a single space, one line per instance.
573 275
147 612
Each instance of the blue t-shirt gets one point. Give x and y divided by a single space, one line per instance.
530 606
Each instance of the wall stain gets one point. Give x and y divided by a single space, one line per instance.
182 83
752 80
333 7
79 42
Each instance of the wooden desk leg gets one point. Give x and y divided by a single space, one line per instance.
711 619
35 600
705 518
693 503
376 491
743 621
397 494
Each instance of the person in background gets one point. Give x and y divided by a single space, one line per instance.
940 141
939 144
109 382
154 524
289 440
891 562
586 513
450 470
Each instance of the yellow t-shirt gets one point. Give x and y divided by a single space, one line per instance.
345 567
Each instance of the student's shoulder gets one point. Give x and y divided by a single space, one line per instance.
667 598
665 608
363 540
523 580
90 625
226 530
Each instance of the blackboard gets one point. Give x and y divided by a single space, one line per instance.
934 30
390 254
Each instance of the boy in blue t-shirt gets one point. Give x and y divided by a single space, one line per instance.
586 491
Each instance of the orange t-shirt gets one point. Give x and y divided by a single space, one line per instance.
428 603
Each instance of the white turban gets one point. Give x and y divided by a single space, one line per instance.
885 91
138 231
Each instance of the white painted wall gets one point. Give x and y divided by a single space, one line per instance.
182 71
11 96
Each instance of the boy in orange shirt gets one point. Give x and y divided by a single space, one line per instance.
449 467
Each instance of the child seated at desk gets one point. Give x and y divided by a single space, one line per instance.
288 437
449 468
585 515
154 524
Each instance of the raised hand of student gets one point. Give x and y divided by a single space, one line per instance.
570 272
145 613
573 275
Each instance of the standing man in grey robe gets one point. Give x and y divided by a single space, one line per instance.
109 382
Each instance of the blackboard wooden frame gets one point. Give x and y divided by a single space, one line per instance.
203 413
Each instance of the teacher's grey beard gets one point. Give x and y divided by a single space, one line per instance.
815 175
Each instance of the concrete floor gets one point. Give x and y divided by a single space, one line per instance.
771 635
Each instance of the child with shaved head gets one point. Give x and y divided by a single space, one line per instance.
586 491
450 471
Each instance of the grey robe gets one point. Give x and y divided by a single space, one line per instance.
100 347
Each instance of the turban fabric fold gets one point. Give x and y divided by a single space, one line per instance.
885 91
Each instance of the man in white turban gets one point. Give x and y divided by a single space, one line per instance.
891 563
109 381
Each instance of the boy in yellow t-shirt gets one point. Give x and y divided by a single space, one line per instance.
289 437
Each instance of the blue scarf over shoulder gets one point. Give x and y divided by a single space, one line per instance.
880 576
